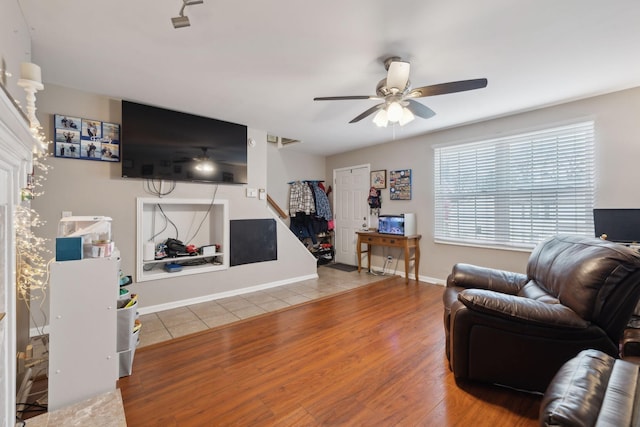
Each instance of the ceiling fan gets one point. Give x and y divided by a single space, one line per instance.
399 104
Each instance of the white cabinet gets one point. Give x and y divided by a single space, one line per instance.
198 222
83 361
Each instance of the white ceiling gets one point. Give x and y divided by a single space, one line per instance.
261 63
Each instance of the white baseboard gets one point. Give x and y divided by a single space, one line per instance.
412 276
226 294
432 280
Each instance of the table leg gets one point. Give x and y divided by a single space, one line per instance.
369 258
359 251
406 262
417 261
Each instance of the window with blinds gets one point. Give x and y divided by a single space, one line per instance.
517 190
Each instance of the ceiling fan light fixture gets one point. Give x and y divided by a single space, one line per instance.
394 112
380 119
407 116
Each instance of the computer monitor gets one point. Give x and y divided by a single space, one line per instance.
620 225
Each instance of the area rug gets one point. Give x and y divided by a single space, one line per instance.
342 267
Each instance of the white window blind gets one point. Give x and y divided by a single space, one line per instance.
517 190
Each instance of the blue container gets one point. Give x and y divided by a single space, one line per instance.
68 248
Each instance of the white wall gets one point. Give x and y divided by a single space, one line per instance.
95 188
617 153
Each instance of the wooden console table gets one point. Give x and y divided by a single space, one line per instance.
370 238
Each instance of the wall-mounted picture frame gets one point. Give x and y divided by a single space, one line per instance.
86 139
379 179
400 184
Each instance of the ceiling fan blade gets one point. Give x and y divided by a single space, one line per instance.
368 112
444 88
341 98
398 75
420 110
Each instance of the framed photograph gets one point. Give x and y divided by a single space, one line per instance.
86 139
400 184
379 179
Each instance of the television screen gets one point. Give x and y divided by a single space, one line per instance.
170 145
620 225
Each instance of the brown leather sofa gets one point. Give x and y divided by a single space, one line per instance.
592 389
517 330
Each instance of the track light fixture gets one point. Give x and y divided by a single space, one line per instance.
181 20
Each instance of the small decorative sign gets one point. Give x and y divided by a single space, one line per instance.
400 184
86 139
379 179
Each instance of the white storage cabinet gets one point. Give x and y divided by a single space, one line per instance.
83 361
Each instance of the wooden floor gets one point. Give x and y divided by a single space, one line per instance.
373 356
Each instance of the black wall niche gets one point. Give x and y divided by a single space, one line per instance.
252 240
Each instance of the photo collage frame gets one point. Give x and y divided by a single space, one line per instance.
400 184
86 139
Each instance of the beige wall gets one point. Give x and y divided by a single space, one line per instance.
617 154
15 47
286 165
95 188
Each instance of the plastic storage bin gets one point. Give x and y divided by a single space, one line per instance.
126 357
127 340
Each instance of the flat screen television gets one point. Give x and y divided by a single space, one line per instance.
170 145
620 225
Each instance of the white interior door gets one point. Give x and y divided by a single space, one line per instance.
351 189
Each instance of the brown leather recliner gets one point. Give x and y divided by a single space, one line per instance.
592 389
517 330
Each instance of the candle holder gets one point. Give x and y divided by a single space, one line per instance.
31 82
31 87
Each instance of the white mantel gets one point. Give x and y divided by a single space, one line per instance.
17 145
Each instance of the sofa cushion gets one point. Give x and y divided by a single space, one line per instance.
533 291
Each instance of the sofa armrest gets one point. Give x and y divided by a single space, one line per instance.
472 276
591 389
522 309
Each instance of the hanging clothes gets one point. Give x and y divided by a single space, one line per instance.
302 226
323 208
301 199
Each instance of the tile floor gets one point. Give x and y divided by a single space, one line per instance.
177 322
